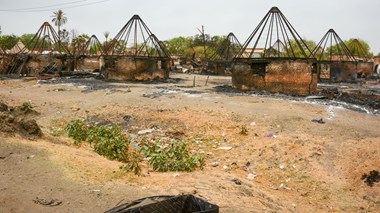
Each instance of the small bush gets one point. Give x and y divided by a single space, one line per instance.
172 156
109 142
78 130
26 106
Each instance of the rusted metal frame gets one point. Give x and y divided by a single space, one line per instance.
278 38
295 35
248 41
340 53
259 36
269 34
359 48
287 39
119 36
319 45
345 48
145 41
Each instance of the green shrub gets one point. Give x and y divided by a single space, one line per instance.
26 106
78 130
172 156
109 142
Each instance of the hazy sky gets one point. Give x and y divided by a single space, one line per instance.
172 18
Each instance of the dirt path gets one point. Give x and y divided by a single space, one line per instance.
300 165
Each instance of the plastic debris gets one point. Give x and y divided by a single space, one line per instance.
251 175
225 147
253 123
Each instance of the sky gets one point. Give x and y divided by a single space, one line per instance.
172 18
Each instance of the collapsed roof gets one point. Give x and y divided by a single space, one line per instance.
274 37
332 48
136 40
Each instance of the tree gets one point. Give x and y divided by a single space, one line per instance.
8 41
178 45
59 19
293 49
79 42
106 35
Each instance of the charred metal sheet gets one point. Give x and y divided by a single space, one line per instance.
274 37
136 40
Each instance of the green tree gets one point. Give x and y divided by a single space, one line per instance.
59 19
178 45
26 39
8 41
79 43
293 49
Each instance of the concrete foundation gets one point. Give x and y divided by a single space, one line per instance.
295 77
133 68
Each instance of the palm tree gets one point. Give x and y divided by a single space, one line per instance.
59 19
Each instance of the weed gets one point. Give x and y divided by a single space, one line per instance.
172 156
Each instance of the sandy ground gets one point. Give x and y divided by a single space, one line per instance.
304 166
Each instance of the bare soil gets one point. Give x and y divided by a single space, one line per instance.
301 165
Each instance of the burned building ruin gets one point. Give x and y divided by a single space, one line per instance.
274 58
136 54
221 61
43 54
365 65
89 56
336 63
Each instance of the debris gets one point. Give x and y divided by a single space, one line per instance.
251 176
371 178
320 121
215 164
176 175
282 166
145 131
271 135
53 202
31 156
181 203
225 147
127 118
316 97
253 123
282 186
225 167
236 181
248 167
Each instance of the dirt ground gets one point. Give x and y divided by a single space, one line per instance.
301 165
